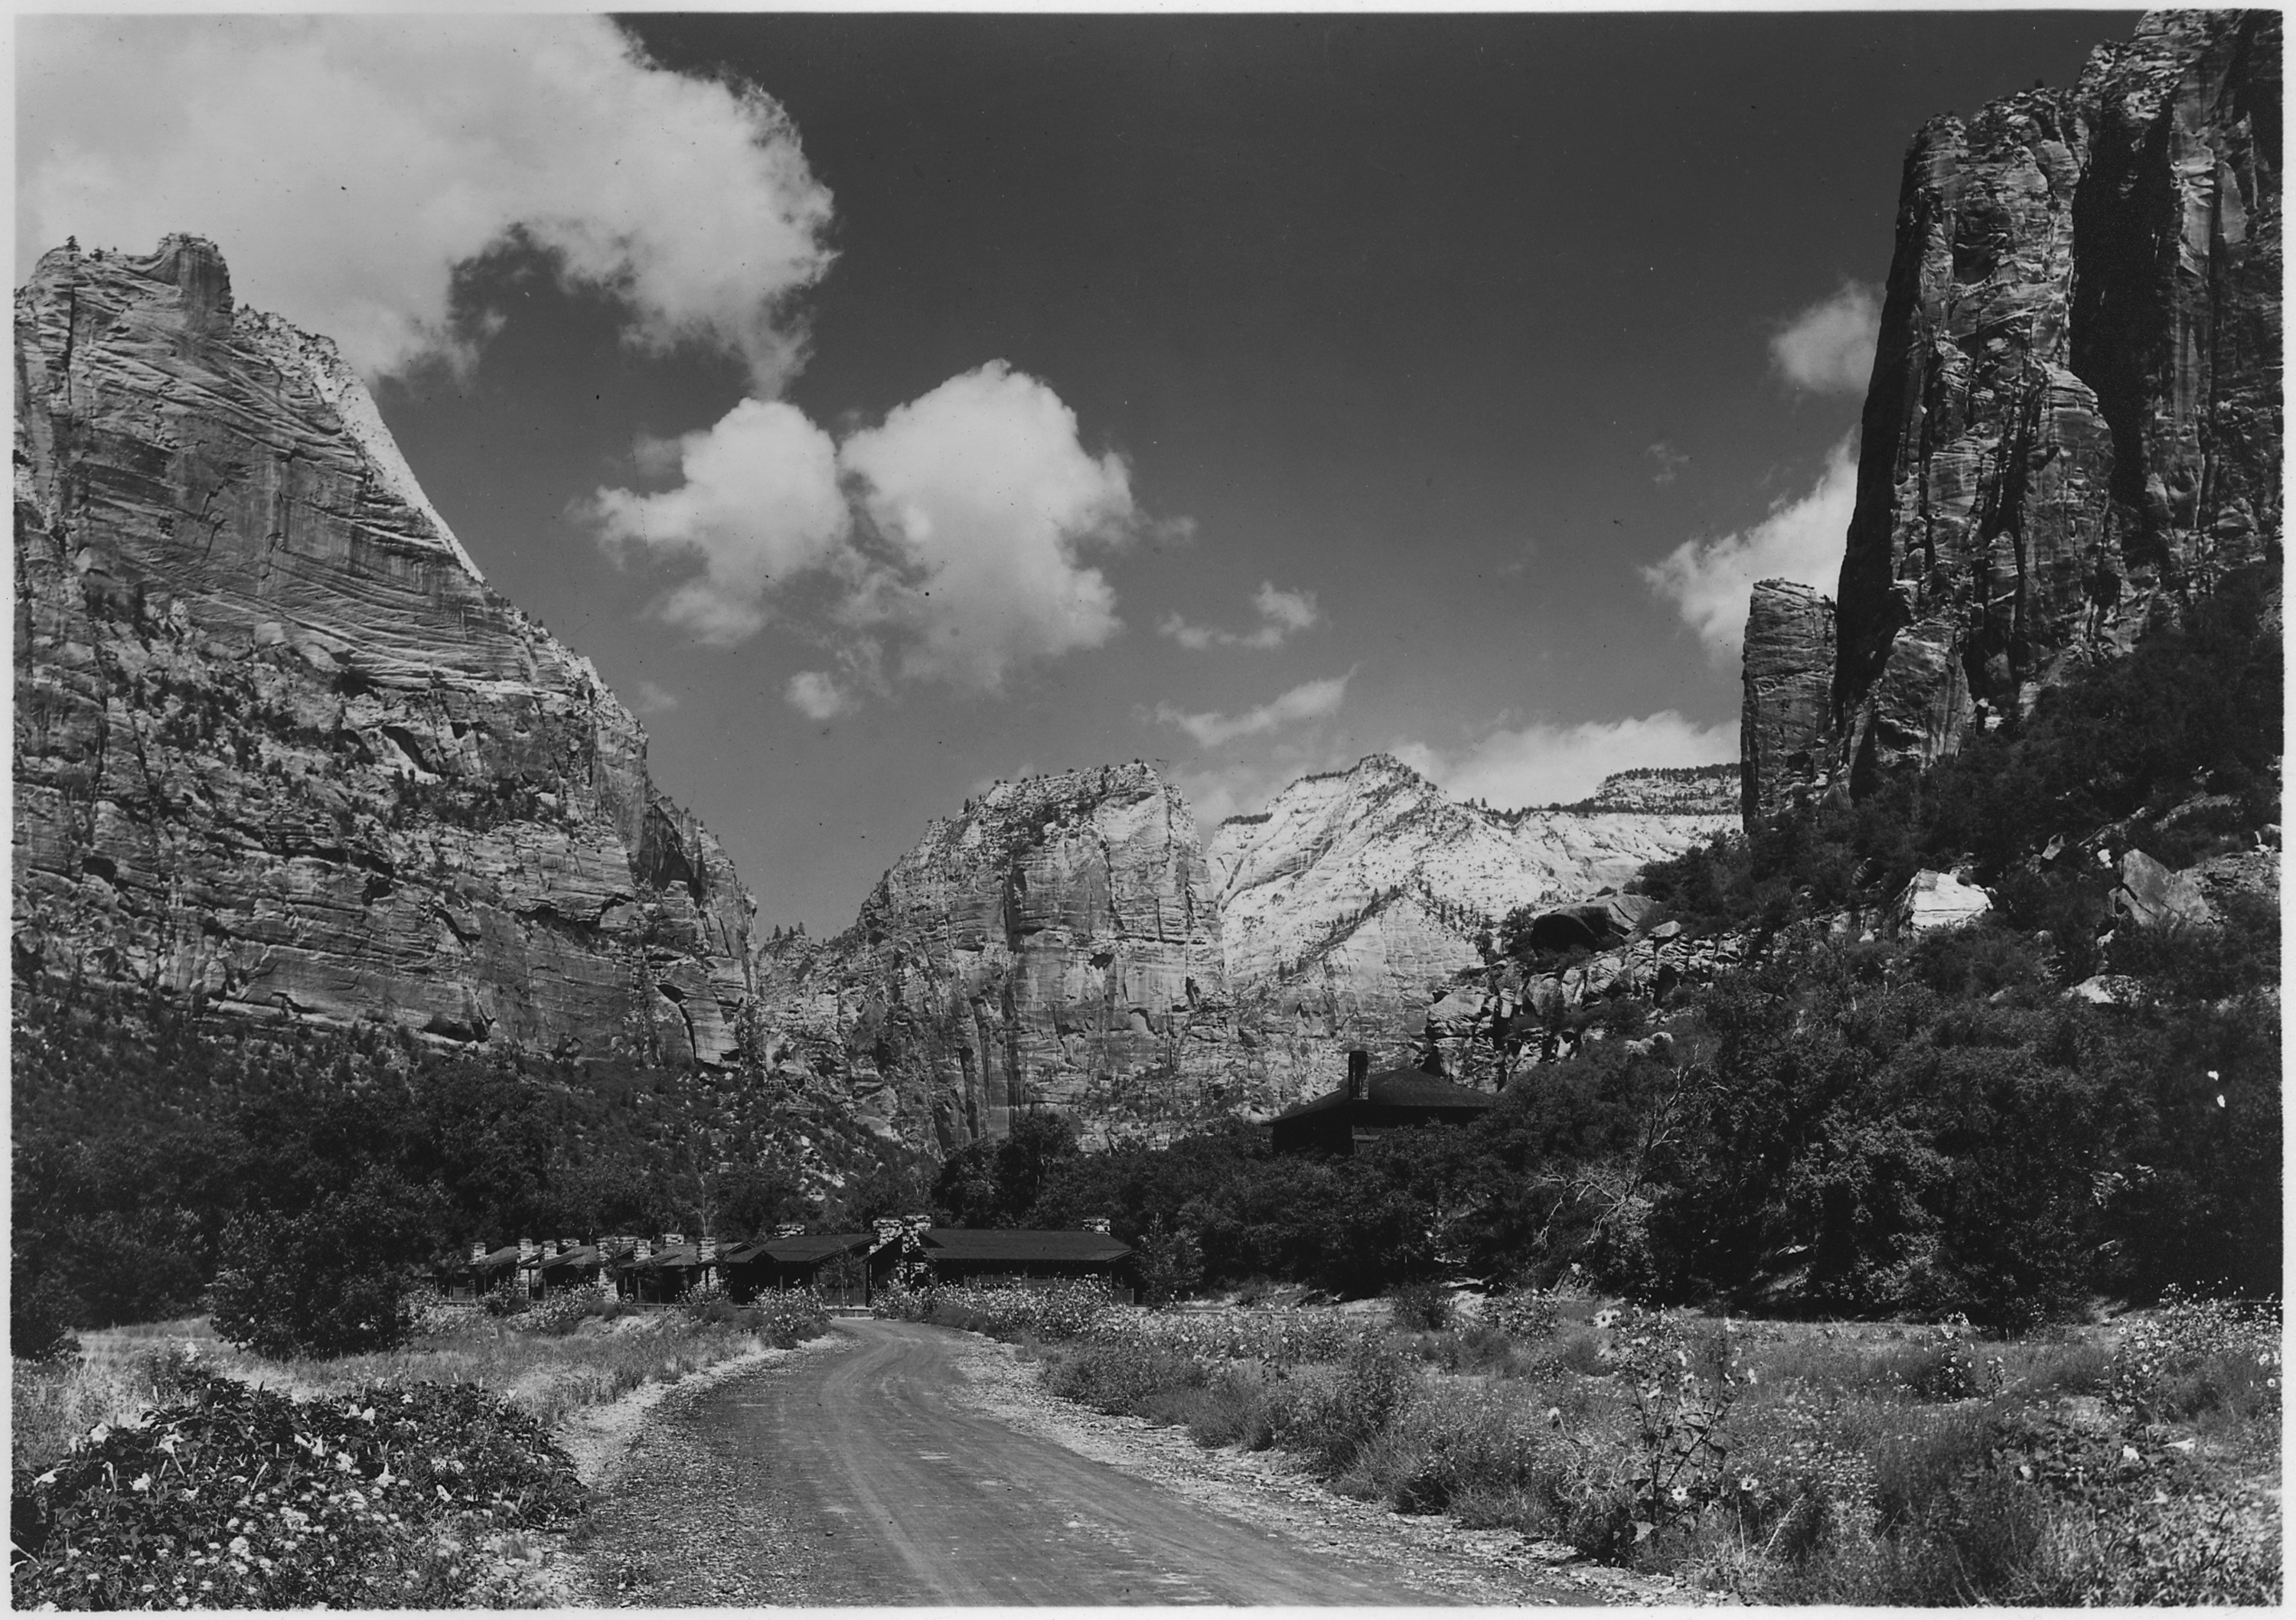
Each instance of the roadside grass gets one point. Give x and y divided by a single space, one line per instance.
1867 1463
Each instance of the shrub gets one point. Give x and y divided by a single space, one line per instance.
2197 1354
330 1282
1371 1388
1421 1307
235 1497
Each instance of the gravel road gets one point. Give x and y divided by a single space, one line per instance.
861 1473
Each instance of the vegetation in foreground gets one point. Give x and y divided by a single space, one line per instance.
1777 1463
167 1469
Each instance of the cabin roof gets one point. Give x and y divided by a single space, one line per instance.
994 1243
1399 1088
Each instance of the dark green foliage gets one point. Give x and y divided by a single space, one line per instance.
997 1183
154 1149
235 1497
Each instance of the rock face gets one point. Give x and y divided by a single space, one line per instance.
2074 423
1058 943
1065 942
1349 906
278 745
1789 680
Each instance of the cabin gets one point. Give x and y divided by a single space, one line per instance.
993 1256
1369 1106
832 1264
668 1274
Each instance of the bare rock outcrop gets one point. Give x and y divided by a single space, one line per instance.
1056 945
2074 424
1350 905
278 747
1789 682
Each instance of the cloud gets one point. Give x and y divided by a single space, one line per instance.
1548 763
1670 462
346 165
654 698
1828 348
1282 614
980 498
760 502
1313 701
817 696
1709 581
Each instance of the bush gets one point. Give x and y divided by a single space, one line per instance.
2195 1356
332 1281
1421 1307
239 1497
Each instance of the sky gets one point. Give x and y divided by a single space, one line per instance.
893 404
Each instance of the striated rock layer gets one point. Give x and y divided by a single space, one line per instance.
1065 942
1350 905
2074 424
1057 945
277 745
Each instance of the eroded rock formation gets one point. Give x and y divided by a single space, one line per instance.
2074 423
1057 943
277 745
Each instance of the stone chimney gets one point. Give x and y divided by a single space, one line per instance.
527 1251
707 1251
1098 1223
673 1240
1359 1076
477 1254
642 1248
888 1230
789 1229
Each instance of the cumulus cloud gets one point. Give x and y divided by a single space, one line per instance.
1707 581
817 695
346 165
760 501
945 545
1282 615
1548 763
1828 348
981 500
1312 701
654 698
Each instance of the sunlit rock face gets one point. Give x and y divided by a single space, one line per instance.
2074 424
1349 907
277 746
1056 945
1065 942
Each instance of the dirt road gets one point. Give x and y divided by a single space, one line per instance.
851 1476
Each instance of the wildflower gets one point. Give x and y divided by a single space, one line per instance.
2128 1453
238 1546
142 1481
168 1443
1554 1416
101 1433
1749 1484
1681 1494
48 1479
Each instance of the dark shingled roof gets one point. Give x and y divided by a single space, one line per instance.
1401 1088
989 1243
801 1250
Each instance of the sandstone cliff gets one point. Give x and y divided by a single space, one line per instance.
277 746
2074 423
1351 904
1057 943
1064 942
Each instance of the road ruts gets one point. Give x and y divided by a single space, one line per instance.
851 1476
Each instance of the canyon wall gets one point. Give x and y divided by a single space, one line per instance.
2074 423
277 746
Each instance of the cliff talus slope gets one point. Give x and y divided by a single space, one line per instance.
278 747
2074 424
